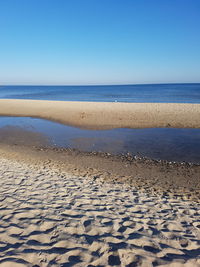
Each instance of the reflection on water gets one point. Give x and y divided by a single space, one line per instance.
161 143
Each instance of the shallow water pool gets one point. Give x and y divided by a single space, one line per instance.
158 143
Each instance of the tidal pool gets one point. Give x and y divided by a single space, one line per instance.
158 143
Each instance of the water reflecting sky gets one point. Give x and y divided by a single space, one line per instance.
157 143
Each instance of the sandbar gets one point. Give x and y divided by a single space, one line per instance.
105 115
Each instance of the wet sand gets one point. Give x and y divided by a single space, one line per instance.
155 176
98 115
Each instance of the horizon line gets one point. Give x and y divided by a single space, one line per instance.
113 84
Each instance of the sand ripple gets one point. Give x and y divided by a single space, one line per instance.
49 218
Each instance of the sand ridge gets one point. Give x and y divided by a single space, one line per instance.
51 218
102 115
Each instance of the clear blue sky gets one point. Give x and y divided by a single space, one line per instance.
99 41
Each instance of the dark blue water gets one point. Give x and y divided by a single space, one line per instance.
163 143
161 93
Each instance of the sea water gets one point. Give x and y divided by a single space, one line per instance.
161 93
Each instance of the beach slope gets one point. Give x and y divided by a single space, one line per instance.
52 218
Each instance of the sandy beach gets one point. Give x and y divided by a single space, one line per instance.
98 115
64 207
55 214
99 133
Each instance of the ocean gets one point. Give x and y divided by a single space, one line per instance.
161 93
163 143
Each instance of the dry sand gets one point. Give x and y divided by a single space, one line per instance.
49 217
106 115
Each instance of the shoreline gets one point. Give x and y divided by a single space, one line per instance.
160 177
105 115
67 207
